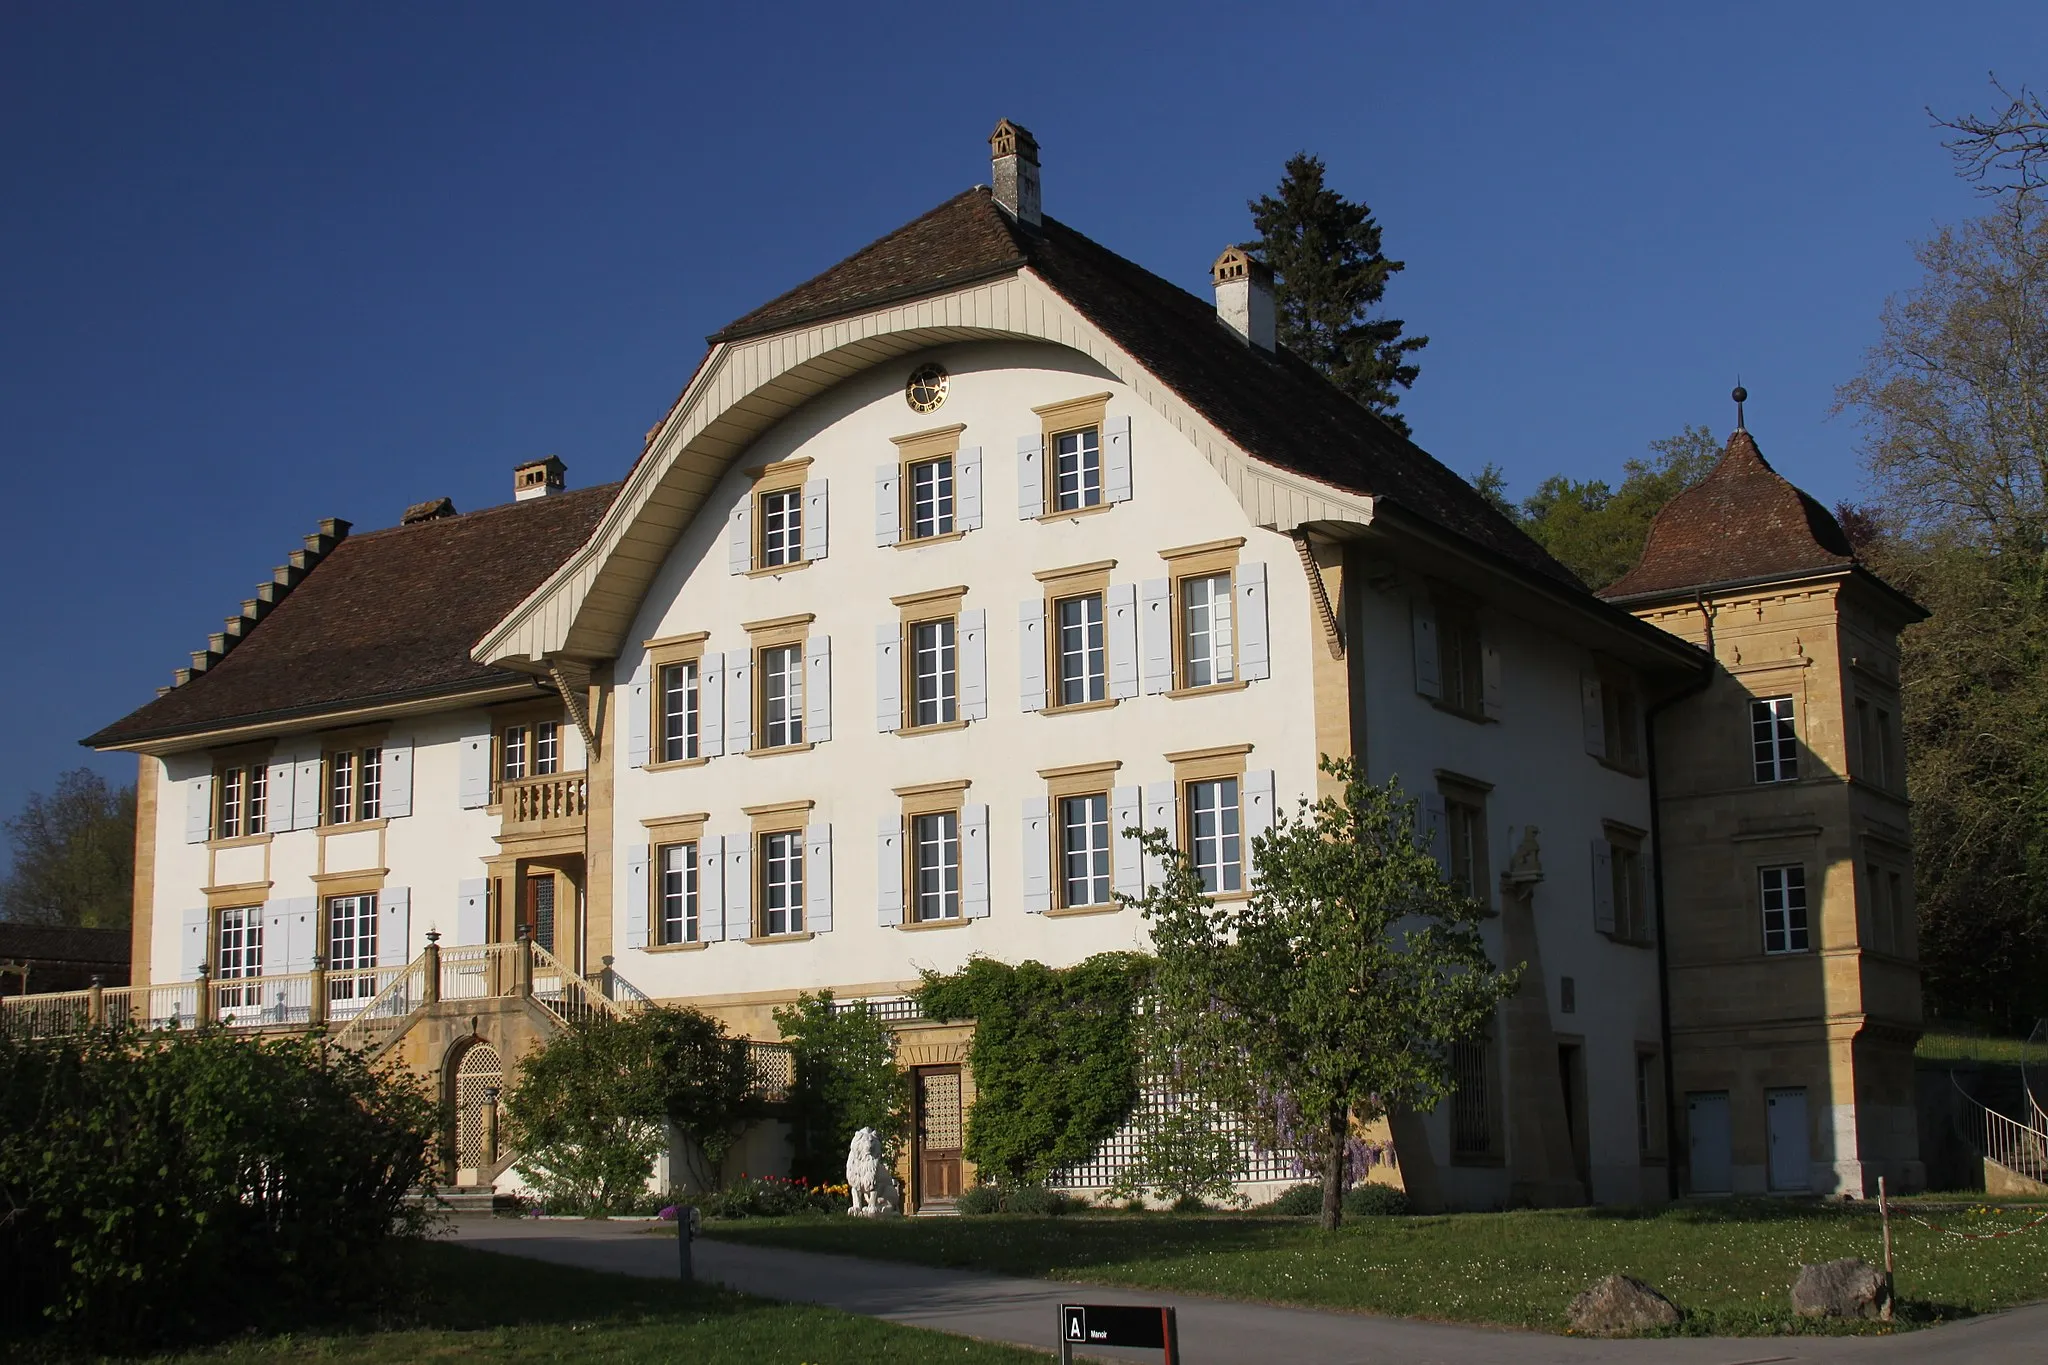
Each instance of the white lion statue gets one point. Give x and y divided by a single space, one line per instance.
869 1179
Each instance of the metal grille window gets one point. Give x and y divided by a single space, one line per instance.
1077 469
513 767
544 911
782 527
1773 743
1205 644
240 953
351 947
1213 834
1083 675
782 696
1084 850
1784 899
935 676
782 883
678 909
931 498
1472 1100
937 858
679 712
547 748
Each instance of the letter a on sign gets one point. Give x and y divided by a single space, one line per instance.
1077 1323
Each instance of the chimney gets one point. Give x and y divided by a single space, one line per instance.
1013 153
538 478
1244 297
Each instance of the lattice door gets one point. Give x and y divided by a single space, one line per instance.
475 1074
939 1134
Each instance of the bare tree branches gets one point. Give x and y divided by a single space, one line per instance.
2007 153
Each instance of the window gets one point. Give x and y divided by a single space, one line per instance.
547 748
513 749
1621 717
1213 834
1874 743
1460 663
679 713
244 803
1625 867
355 785
1077 469
782 527
934 672
782 696
239 954
782 883
1890 927
1472 1125
1773 743
1206 650
931 498
351 947
935 864
1082 673
1084 850
675 919
1649 1107
1784 903
1465 836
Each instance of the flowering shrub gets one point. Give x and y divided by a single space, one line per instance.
774 1196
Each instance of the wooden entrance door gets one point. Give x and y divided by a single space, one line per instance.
939 1135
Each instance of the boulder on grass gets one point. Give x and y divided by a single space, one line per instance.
1621 1304
1848 1288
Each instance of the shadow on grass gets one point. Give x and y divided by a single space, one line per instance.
1022 1245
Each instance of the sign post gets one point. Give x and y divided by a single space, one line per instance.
1118 1324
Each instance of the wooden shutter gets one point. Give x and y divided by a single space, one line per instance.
1037 855
1126 865
1256 800
711 705
199 809
1592 714
394 926
889 871
1603 886
889 677
280 815
1161 812
711 888
817 511
637 896
195 942
1489 669
1030 477
1254 655
473 763
739 887
974 892
974 664
1116 459
1155 630
1120 613
1436 834
967 489
472 911
818 879
1031 654
818 688
396 799
1429 680
639 715
888 504
740 535
739 700
306 789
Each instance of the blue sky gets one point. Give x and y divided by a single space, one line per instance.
269 263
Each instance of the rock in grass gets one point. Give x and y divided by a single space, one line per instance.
1848 1288
1619 1304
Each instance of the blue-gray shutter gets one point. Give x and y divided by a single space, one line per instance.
277 939
818 878
967 489
1603 886
1161 813
889 871
711 888
974 895
889 676
277 797
818 688
472 911
888 504
394 926
739 700
1155 630
739 887
303 913
639 714
199 809
1120 608
1116 459
711 705
1255 807
1031 654
1254 656
1428 671
1031 477
194 942
1489 672
636 896
1037 849
473 763
1126 858
396 796
974 664
816 511
740 536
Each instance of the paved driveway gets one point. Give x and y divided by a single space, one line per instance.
999 1308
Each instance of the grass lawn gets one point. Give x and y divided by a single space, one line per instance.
1729 1265
1968 1047
476 1305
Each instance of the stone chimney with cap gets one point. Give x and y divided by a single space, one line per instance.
538 478
1013 156
1244 297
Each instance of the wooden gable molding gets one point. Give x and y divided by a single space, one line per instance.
585 608
285 577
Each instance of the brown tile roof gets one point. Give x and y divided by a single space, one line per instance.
385 616
1743 521
1273 406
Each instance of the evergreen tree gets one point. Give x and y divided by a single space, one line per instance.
1329 278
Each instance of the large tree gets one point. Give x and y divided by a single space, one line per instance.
74 855
2007 151
1333 994
1329 279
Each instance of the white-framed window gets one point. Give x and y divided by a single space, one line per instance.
238 953
355 785
1206 650
782 883
935 865
351 947
1077 469
782 527
1774 743
679 712
244 804
782 696
547 748
931 498
1214 834
1084 850
1784 906
513 751
341 788
675 918
934 672
1082 672
1465 836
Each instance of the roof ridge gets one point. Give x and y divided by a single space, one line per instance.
475 513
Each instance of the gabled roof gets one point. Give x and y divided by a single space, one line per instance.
1272 405
386 616
1743 522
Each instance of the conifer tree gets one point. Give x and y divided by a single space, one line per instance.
1329 278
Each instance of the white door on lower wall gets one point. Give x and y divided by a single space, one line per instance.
1791 1153
1710 1142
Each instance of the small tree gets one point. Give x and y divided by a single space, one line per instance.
1335 992
704 1085
846 1079
584 1115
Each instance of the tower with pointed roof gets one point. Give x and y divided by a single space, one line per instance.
1792 981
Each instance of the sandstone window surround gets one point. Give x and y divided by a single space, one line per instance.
778 692
931 664
1773 739
1877 754
1077 463
670 717
1782 896
240 809
1075 652
365 778
931 492
1610 710
778 877
1621 908
1076 854
1204 626
931 859
1889 927
1213 809
1454 824
1456 667
665 901
780 525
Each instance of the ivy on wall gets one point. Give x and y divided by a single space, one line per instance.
1055 1057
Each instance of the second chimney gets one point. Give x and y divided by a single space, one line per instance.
1013 157
538 478
1244 297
